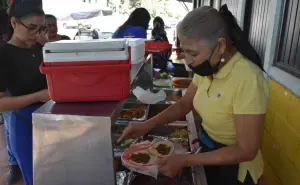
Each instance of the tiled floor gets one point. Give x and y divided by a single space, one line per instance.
3 157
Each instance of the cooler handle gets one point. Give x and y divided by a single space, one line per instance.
86 80
85 69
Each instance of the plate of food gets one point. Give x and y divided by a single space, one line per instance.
162 148
121 147
147 153
138 156
142 157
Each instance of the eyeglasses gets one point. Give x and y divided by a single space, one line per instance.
42 30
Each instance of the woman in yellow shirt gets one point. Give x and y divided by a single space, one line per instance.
230 94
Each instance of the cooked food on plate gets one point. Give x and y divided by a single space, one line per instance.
162 148
142 158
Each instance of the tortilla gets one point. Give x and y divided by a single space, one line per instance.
162 149
140 158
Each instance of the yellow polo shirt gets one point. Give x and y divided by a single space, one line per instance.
238 88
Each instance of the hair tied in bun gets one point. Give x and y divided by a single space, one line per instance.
24 8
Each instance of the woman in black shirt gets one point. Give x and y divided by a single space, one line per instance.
20 77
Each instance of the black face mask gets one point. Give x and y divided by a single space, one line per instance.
205 69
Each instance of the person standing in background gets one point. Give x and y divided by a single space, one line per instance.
51 36
136 25
160 61
23 89
51 23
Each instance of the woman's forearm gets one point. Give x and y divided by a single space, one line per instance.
171 114
224 156
12 103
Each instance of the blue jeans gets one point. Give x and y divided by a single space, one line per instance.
11 159
20 139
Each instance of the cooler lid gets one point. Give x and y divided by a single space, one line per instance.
132 41
85 45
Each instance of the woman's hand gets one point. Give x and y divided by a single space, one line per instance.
135 129
42 40
171 166
43 96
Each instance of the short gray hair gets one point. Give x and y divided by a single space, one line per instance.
205 24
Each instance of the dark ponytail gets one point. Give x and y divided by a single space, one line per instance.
139 17
26 8
238 38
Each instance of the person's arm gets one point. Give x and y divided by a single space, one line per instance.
11 103
249 130
177 110
249 107
41 41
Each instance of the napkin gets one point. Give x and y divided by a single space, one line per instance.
147 97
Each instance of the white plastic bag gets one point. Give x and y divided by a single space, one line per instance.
147 97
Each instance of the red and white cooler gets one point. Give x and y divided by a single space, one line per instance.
137 48
153 47
85 71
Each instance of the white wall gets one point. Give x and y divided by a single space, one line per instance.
282 77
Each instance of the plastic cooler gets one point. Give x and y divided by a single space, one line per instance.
84 71
157 46
137 46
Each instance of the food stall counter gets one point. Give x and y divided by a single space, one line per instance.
73 143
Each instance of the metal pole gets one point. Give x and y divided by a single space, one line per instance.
196 3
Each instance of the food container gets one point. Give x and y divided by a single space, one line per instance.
152 46
182 83
173 133
84 71
133 111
